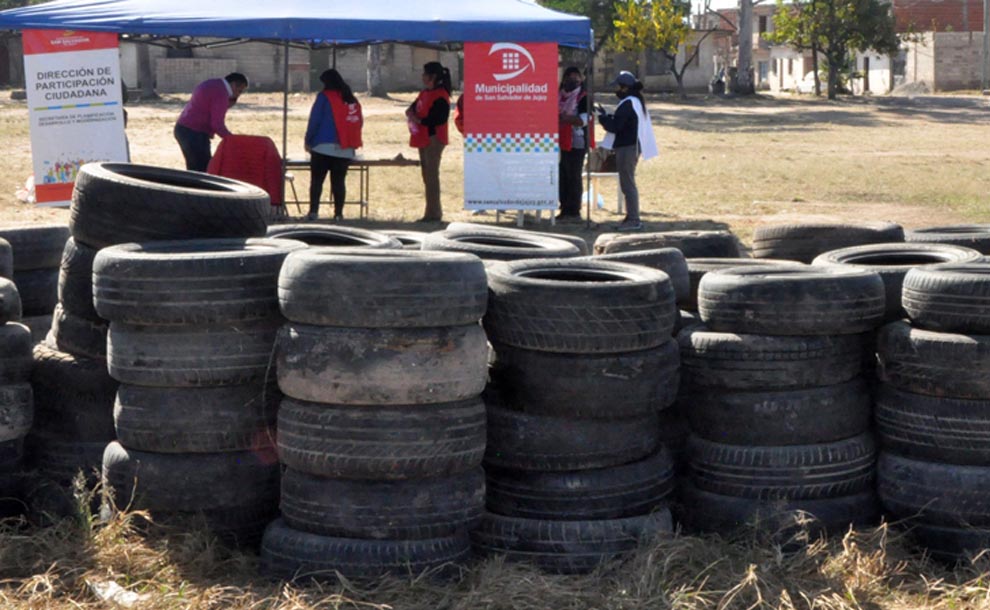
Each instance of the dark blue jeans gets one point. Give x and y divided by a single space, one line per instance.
195 147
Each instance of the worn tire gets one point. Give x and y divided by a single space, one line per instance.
73 396
197 420
78 336
792 472
6 259
381 366
329 236
550 444
949 298
39 326
382 288
606 386
15 353
976 237
462 227
38 289
952 430
693 244
62 459
669 260
804 241
116 203
290 554
699 267
193 282
75 280
791 417
10 302
727 361
383 510
579 307
777 300
934 493
628 490
191 356
16 411
500 246
381 443
35 246
410 240
952 544
567 547
934 363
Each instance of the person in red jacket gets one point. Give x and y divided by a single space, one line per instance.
332 135
427 119
205 116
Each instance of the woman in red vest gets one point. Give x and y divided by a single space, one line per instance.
427 118
334 131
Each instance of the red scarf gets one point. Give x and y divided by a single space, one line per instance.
419 135
347 118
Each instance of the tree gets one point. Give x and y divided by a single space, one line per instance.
146 78
835 28
660 25
600 12
744 65
376 85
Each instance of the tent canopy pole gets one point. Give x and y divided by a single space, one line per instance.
285 116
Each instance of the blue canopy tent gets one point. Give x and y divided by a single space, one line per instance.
312 22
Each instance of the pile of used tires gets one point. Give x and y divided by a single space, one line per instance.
16 396
382 428
37 253
582 366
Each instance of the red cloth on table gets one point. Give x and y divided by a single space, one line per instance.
251 159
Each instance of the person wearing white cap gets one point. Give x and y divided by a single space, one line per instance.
630 133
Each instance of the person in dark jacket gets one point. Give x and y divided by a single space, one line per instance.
572 108
427 120
332 135
630 133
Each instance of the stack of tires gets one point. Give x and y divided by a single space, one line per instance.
37 252
192 330
933 410
583 365
802 242
778 408
16 397
382 429
115 203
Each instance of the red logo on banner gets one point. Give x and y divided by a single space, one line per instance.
64 41
510 88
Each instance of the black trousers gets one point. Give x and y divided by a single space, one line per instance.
319 165
571 189
195 147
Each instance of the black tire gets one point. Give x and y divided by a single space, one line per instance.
785 520
383 510
727 361
777 300
38 290
893 261
949 298
191 356
75 280
36 246
794 417
197 420
78 336
15 353
673 431
206 281
490 245
577 240
551 444
617 492
567 547
208 483
16 411
382 366
669 260
116 203
6 259
410 240
381 443
952 430
289 554
329 236
934 363
803 242
685 320
382 288
579 307
693 244
10 302
39 326
73 397
933 492
976 237
796 472
607 386
700 267
952 544
62 459
11 456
